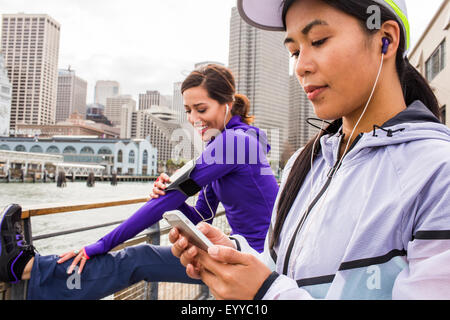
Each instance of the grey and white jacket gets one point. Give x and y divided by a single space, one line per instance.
380 230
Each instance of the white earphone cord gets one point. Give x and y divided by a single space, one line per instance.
343 154
204 190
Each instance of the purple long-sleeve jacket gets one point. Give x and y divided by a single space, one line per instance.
233 169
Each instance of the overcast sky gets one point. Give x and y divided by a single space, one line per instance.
150 44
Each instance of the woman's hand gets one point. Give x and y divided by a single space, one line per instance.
159 186
79 256
224 269
230 274
186 252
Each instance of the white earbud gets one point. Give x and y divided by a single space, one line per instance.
225 119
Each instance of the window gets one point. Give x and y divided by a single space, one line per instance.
131 157
87 150
52 149
104 150
119 156
69 150
36 149
443 115
436 63
145 158
20 148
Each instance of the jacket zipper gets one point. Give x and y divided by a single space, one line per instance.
311 206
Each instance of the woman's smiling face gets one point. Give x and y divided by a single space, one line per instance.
335 61
204 113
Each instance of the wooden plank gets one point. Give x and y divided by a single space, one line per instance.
60 208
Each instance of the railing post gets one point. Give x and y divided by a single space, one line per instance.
204 292
19 290
155 239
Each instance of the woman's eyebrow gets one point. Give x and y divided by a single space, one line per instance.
307 29
195 105
312 24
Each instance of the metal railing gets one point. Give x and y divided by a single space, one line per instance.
154 235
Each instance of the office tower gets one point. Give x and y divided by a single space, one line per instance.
260 64
71 97
30 44
113 108
105 89
300 109
177 103
5 99
153 98
148 99
160 126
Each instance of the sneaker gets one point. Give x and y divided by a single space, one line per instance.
14 251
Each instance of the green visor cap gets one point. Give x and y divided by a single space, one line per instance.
267 14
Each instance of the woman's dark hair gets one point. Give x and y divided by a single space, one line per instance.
414 87
220 85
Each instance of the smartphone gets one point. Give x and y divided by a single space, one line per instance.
188 229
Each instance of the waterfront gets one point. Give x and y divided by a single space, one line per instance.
31 194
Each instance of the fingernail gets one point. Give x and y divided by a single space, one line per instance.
69 271
213 251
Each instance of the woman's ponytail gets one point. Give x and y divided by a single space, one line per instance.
241 107
415 86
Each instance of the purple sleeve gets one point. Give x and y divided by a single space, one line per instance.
215 162
205 207
145 217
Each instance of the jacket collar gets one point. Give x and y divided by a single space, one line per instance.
415 113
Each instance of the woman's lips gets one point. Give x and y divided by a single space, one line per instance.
202 130
314 91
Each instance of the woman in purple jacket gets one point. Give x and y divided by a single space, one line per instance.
233 169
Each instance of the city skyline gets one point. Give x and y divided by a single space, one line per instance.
140 59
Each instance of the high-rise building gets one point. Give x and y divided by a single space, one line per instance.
5 99
114 105
30 44
105 89
159 125
260 64
71 97
300 109
153 98
177 103
148 99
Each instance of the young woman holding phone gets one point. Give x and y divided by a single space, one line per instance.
363 210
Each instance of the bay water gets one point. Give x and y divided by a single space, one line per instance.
36 194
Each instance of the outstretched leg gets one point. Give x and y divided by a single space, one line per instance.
102 275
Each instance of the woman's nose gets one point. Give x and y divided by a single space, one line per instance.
194 117
303 65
